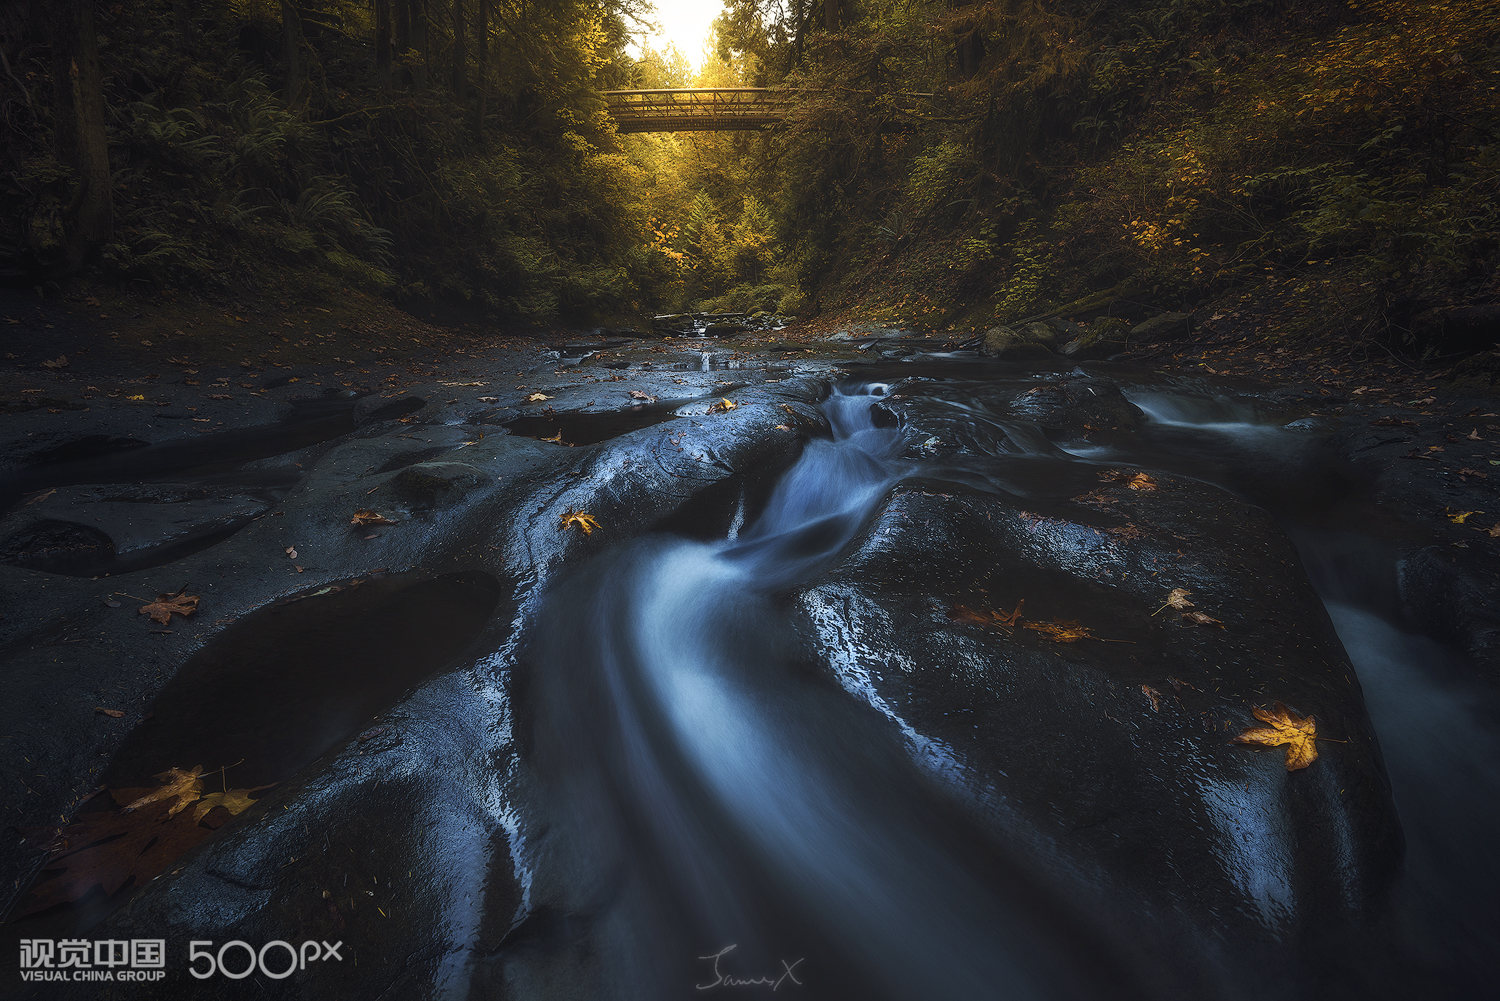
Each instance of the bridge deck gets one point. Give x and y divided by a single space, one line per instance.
719 109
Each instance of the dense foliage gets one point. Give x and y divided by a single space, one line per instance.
949 160
458 155
1340 156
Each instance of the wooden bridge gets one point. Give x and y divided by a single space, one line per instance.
718 109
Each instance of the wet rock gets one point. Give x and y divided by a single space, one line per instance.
430 485
127 523
1106 762
1165 327
378 408
1103 338
1006 342
1451 592
725 328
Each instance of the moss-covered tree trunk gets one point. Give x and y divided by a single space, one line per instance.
79 136
294 54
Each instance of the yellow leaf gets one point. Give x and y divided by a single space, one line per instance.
579 518
182 788
236 801
723 406
1462 516
364 516
1285 727
537 398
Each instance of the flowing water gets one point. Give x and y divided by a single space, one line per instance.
746 823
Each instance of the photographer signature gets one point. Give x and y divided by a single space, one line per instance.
721 979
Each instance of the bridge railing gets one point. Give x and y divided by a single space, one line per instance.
698 109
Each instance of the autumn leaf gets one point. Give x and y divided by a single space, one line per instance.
61 361
579 518
364 516
236 801
537 398
1176 598
987 617
180 788
1154 696
167 605
637 394
1201 619
556 439
1285 727
1140 481
723 406
1462 516
111 713
1064 631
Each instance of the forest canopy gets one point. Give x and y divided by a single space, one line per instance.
945 161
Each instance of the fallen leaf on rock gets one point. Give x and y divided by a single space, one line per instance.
1495 532
111 713
1176 598
61 361
1064 631
1201 619
1462 516
636 394
988 617
167 605
579 518
1299 733
179 788
723 406
364 516
236 801
1140 481
537 398
1154 696
556 439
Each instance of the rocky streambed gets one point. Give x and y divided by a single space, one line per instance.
650 670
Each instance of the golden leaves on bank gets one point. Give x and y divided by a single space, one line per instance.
1283 726
582 520
135 839
1059 631
167 605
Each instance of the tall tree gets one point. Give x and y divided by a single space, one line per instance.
80 138
383 41
482 69
460 81
294 54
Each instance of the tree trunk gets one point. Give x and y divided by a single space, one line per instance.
79 136
421 35
482 70
460 83
383 42
294 53
968 46
402 28
831 15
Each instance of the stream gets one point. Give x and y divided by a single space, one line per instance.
863 684
760 827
